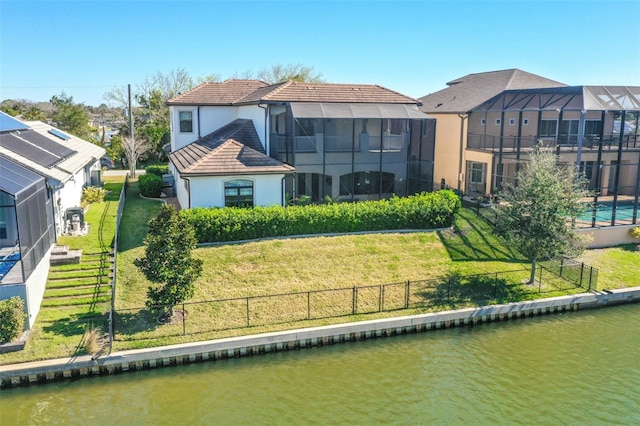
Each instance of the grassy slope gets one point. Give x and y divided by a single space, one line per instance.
619 266
287 265
58 331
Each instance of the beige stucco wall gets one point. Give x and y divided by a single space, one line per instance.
447 151
609 236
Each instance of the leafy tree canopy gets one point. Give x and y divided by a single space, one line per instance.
279 73
536 213
71 117
168 261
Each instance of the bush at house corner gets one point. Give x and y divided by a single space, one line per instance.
428 210
12 318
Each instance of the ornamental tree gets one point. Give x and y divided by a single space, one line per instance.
168 261
537 213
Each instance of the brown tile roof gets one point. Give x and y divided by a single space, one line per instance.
224 93
466 93
238 92
233 158
233 149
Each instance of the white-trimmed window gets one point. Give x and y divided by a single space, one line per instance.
483 121
525 121
186 121
512 122
498 121
238 193
548 128
477 173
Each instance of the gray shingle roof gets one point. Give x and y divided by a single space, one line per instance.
232 149
466 93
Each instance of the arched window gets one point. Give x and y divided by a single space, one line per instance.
238 193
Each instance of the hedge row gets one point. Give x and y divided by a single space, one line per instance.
423 211
150 185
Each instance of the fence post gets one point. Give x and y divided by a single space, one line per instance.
184 320
380 298
308 305
540 281
247 312
561 266
590 277
355 300
581 272
406 294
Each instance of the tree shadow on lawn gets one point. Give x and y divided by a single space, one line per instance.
129 323
76 324
470 243
456 291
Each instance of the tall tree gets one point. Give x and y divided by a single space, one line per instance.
537 212
297 72
71 117
134 149
34 114
168 261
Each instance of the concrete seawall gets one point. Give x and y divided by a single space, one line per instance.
142 359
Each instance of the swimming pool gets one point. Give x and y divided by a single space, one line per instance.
604 212
7 263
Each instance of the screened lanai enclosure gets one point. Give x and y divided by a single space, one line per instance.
595 129
352 152
26 228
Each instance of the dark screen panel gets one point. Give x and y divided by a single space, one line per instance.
33 153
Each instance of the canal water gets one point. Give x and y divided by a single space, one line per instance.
571 368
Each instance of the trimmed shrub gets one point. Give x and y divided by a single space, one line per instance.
12 318
635 232
422 211
92 194
150 185
157 169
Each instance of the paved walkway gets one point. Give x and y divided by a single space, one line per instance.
118 172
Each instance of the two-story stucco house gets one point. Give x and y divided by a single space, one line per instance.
488 122
245 142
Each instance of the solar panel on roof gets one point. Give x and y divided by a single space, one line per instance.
27 150
58 133
47 144
8 123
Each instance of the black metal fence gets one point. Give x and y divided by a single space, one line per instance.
121 201
448 292
579 273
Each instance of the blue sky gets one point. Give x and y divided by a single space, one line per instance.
85 48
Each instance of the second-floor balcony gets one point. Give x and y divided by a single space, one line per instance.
341 143
609 142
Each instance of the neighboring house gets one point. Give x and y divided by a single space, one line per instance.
487 122
451 107
244 142
594 128
42 174
68 163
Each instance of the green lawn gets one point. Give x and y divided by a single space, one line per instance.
619 266
76 296
284 266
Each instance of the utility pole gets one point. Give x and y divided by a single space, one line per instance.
132 165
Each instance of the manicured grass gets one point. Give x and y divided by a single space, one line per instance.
73 299
322 263
619 266
291 265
